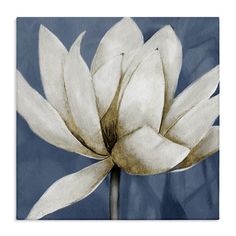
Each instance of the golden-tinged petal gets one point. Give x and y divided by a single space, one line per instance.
196 92
81 98
208 146
210 143
71 189
123 37
195 124
106 81
145 152
44 120
143 99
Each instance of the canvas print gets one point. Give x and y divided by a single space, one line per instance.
117 118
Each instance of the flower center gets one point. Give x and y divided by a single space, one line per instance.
109 124
109 135
110 119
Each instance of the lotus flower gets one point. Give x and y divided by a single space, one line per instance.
121 112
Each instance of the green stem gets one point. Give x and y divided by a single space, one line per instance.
114 193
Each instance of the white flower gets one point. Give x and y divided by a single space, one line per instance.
121 112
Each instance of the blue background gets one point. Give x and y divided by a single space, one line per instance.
192 194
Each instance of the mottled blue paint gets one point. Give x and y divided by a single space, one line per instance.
186 195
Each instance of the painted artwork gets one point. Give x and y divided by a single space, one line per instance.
117 118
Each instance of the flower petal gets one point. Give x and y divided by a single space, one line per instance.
210 143
208 146
44 120
123 37
171 54
144 152
194 125
71 189
106 81
51 58
81 98
127 59
143 99
52 55
200 90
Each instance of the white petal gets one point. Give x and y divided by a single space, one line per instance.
52 55
200 90
71 189
44 120
106 81
143 99
51 59
81 98
208 146
145 152
171 54
194 125
127 59
123 37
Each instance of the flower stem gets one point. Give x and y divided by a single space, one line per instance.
114 193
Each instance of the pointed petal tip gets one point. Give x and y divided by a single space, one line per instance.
44 30
123 37
31 217
212 74
127 19
215 70
80 37
170 30
20 77
168 27
130 21
18 73
42 27
77 42
217 67
49 41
